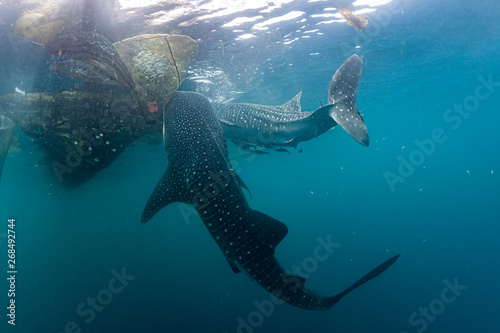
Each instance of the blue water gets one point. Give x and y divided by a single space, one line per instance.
439 209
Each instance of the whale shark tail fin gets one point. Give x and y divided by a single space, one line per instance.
342 94
330 301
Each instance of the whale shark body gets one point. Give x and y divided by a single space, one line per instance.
199 173
287 125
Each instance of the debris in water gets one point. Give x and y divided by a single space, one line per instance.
357 21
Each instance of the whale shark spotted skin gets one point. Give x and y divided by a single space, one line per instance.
287 125
199 173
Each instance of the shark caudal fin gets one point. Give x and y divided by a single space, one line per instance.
342 94
330 301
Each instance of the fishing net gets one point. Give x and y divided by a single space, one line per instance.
158 64
81 133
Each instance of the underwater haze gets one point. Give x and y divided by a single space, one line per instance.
427 186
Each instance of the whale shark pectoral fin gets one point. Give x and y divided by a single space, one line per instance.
171 188
240 182
270 231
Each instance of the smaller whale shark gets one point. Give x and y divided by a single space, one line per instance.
199 173
287 125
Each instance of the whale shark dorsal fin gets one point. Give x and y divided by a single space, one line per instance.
270 232
294 103
171 188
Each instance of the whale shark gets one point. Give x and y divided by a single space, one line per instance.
199 173
287 125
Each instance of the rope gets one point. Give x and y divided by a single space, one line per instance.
171 54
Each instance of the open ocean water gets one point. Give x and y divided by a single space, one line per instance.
426 187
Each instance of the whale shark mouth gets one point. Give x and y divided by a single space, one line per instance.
342 94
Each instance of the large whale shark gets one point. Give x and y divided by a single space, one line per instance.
199 173
287 125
